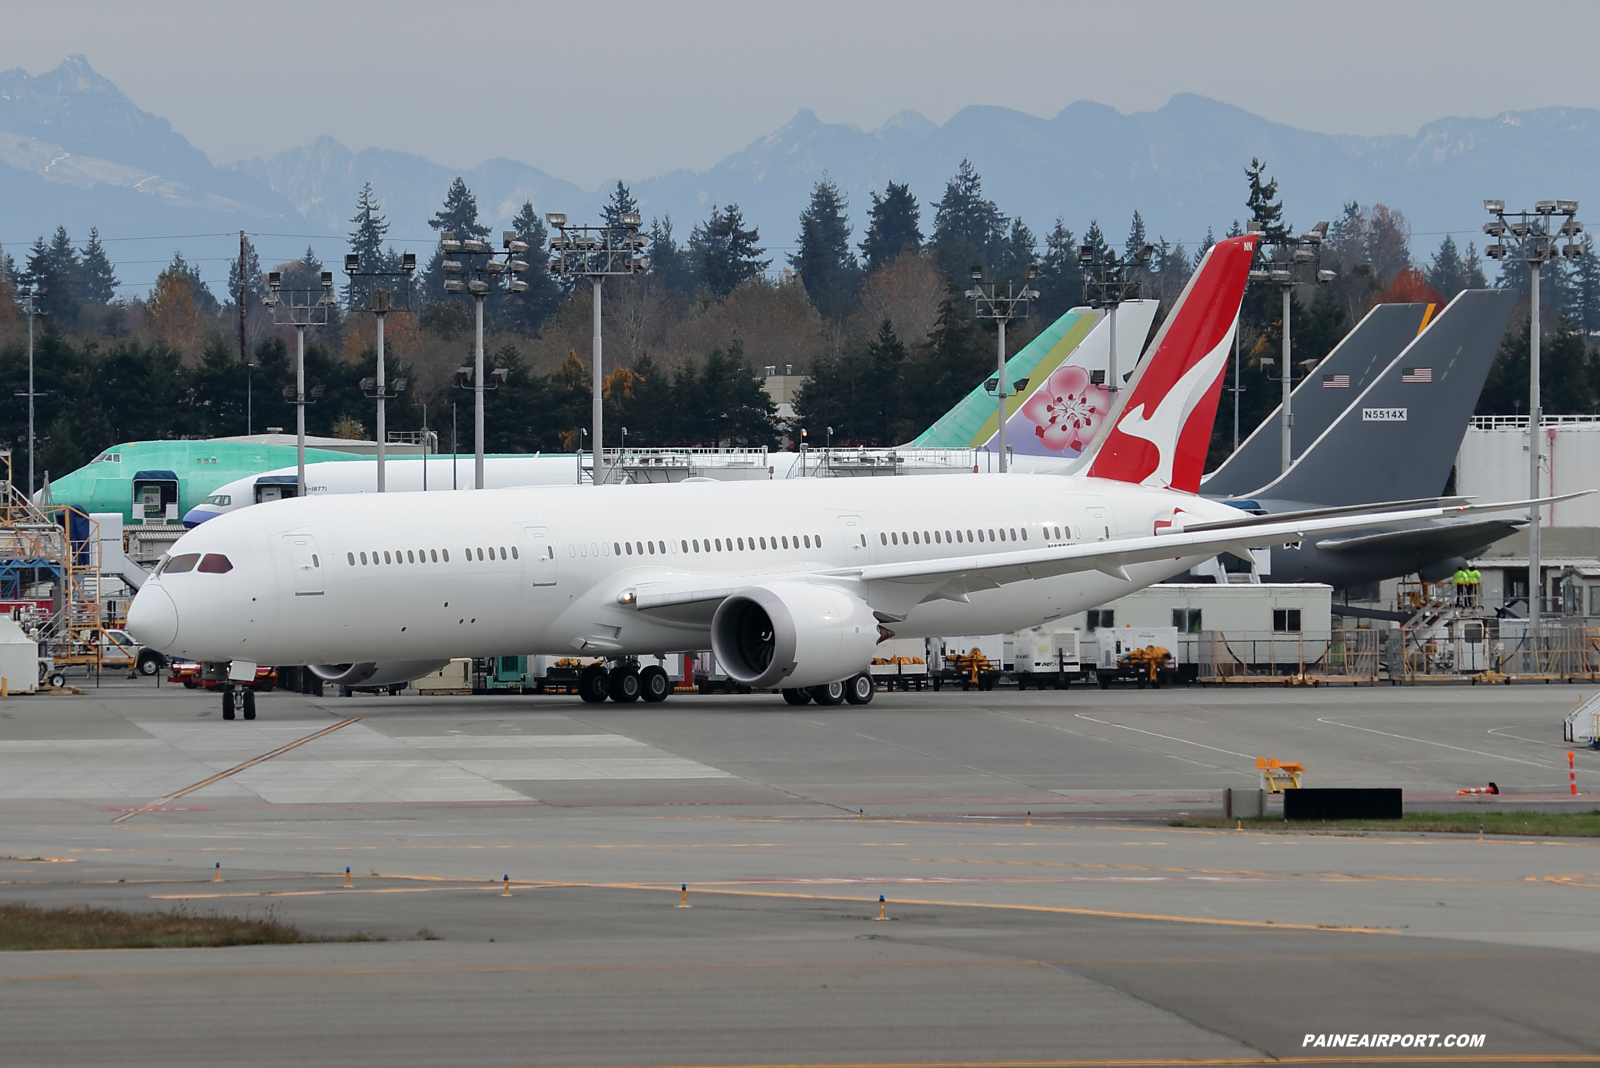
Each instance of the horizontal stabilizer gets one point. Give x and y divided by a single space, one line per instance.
1440 539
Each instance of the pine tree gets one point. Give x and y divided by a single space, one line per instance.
887 356
1266 211
968 230
1094 239
253 285
200 293
668 262
824 261
1017 254
525 312
459 214
1446 274
366 241
1137 238
1060 282
99 277
1472 268
894 227
1586 288
55 269
620 203
1200 253
725 252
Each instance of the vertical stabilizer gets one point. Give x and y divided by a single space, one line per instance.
1160 436
1399 438
1321 397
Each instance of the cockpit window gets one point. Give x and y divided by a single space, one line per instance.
215 564
179 564
221 500
107 458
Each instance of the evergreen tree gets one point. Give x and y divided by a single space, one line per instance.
1586 289
668 262
525 312
55 268
1472 268
98 276
887 356
1205 247
204 299
726 253
620 203
1137 238
1263 208
1060 281
366 241
1017 254
824 261
894 227
1447 272
459 214
967 228
1094 239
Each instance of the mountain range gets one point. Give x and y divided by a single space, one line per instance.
75 151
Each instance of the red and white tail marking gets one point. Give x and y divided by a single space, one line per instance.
1164 431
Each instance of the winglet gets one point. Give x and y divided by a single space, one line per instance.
1164 430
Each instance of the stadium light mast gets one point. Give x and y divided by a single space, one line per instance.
1002 302
380 302
1106 284
300 311
480 269
1299 268
1531 237
28 298
600 252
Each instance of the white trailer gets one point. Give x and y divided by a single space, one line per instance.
1045 656
1125 653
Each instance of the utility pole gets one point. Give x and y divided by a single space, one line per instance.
1530 237
300 311
481 274
1106 284
1303 252
1001 302
600 252
28 298
244 356
380 302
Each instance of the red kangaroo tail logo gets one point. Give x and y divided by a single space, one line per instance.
1163 434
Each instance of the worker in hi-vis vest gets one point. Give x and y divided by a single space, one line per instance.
1474 586
1460 581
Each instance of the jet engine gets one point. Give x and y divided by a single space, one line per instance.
379 673
793 634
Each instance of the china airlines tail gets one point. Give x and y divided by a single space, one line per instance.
1160 436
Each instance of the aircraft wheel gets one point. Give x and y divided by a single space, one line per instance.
860 690
592 684
797 697
249 704
149 663
227 704
830 694
655 685
623 685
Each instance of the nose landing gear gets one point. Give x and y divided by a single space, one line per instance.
237 698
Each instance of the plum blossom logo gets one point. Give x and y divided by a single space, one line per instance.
1067 409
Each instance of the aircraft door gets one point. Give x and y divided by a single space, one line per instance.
855 533
541 555
305 560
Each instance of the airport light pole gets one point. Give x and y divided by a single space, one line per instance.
1530 237
28 298
479 270
1002 302
300 311
380 302
600 252
1300 268
1107 284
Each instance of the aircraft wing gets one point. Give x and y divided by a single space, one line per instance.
1447 539
896 588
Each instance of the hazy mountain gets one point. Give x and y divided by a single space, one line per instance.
75 151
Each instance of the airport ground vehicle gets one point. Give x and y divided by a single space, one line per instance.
1145 656
193 675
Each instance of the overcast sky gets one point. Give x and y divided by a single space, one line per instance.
627 89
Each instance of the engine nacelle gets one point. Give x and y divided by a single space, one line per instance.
379 673
793 634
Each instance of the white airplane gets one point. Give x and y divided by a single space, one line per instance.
792 585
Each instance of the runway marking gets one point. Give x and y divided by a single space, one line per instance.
238 768
1168 737
1441 745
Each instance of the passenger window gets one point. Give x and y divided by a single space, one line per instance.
352 557
915 540
411 557
652 546
217 564
446 555
881 537
480 552
617 545
685 546
958 535
896 538
925 539
433 554
630 548
663 547
763 543
363 558
1014 534
503 552
314 562
719 544
969 535
991 534
808 541
1024 533
179 564
819 541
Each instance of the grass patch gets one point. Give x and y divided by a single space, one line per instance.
24 927
1527 824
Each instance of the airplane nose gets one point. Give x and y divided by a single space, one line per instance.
153 618
194 517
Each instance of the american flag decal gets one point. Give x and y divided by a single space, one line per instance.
1416 376
1335 381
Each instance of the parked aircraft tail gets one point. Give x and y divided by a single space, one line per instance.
1400 437
1160 435
1321 397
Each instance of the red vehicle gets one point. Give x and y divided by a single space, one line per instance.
190 674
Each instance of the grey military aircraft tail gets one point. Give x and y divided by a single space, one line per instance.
1321 397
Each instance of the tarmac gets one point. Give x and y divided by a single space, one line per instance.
1037 906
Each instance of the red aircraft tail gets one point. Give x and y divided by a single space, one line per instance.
1162 435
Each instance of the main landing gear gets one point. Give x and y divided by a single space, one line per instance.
624 682
238 699
858 690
